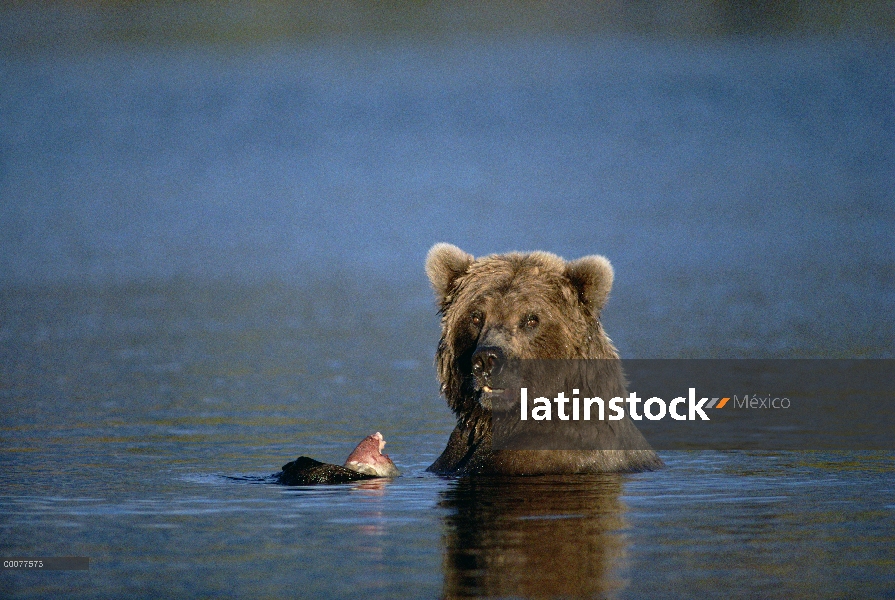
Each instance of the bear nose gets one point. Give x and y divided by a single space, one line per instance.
486 361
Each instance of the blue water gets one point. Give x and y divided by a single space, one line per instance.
211 261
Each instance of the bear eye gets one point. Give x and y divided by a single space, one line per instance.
530 321
477 319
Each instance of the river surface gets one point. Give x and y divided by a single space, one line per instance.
211 262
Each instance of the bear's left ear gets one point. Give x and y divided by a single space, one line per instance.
444 263
592 276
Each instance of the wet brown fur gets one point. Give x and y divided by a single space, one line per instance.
567 299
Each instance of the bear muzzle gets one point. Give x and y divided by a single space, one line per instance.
487 367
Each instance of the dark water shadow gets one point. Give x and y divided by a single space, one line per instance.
251 479
376 485
557 536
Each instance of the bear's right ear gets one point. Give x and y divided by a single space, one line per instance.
444 263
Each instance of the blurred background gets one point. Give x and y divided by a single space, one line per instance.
734 160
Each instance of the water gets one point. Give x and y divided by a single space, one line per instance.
129 415
211 262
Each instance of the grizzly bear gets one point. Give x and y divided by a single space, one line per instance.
521 306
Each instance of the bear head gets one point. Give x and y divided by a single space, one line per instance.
513 306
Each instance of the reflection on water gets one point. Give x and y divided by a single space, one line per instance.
136 422
533 537
129 412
